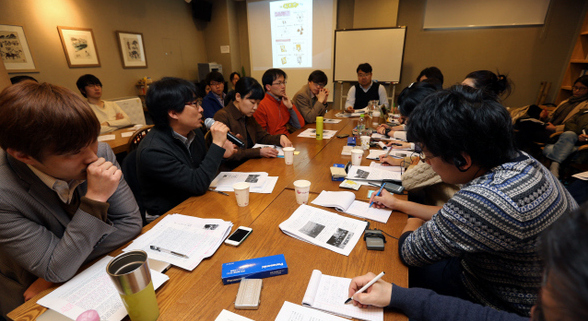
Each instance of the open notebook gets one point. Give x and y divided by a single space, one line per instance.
345 202
329 293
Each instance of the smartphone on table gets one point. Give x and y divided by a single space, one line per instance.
238 236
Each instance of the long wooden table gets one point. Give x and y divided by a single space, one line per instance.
201 295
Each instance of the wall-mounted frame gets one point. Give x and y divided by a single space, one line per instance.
79 47
14 50
132 49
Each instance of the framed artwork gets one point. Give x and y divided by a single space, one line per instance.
79 46
14 50
132 49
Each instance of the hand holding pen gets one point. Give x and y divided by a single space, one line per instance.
376 293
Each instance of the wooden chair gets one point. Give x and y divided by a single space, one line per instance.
136 138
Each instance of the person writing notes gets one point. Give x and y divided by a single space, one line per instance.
472 246
238 116
563 293
173 160
276 112
64 201
110 115
365 90
311 99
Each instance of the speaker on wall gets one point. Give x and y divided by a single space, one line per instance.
201 10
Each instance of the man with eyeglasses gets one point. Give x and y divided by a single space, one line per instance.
173 160
563 294
215 99
311 99
276 112
365 90
481 245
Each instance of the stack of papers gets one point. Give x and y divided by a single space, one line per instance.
329 293
345 202
294 312
92 289
323 228
193 237
375 153
260 182
279 148
331 121
311 133
373 174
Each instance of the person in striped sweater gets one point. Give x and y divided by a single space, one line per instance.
481 245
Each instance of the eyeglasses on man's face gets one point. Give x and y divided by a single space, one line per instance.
424 158
279 83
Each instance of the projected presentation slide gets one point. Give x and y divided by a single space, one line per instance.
291 29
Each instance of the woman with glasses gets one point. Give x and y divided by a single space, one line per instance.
238 116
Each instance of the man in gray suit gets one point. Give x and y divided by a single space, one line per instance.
63 201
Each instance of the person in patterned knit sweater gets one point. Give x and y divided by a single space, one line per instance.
481 245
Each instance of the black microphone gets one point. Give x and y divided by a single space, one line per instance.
232 138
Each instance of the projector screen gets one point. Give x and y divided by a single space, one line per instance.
293 35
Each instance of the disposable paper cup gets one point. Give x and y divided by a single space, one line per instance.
356 155
289 155
131 277
365 142
242 193
302 188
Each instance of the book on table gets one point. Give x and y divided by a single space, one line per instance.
329 293
345 202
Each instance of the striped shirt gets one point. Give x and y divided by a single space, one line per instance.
492 224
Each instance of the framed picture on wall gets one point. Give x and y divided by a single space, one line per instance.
132 49
14 50
79 47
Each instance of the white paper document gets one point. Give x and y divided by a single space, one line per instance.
194 237
126 134
227 315
295 312
329 293
92 289
375 153
368 173
279 148
345 202
105 138
331 121
260 181
386 167
311 133
332 231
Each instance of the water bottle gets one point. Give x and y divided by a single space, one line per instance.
361 126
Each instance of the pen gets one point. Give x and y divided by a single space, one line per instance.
377 194
213 190
365 287
160 249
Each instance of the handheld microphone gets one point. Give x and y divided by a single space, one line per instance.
232 138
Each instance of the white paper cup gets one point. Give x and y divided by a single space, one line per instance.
356 155
365 142
302 188
242 193
289 155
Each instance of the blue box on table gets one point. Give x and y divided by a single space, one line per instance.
258 268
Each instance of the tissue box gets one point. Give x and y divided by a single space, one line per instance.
258 268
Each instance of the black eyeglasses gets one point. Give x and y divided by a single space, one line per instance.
424 158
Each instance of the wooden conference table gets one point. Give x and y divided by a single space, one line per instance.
201 295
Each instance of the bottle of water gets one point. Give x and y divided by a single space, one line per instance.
361 127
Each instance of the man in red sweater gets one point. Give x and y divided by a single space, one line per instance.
276 110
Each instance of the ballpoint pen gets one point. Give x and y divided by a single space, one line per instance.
213 190
365 287
377 194
160 249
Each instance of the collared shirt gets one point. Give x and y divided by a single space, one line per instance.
64 190
381 92
187 141
221 98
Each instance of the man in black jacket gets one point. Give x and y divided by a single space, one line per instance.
173 161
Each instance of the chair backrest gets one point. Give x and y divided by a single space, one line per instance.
136 138
129 169
134 109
